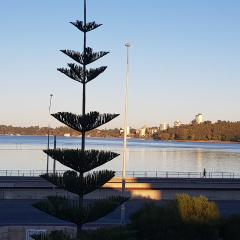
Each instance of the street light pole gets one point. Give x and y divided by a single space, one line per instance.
48 141
123 210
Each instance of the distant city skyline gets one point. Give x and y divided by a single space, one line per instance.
196 119
184 59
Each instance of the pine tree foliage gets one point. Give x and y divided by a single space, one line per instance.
85 58
85 27
81 161
73 182
62 208
76 73
84 123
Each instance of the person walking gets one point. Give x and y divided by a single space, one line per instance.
204 173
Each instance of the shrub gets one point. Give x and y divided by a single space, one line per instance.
187 218
197 209
153 222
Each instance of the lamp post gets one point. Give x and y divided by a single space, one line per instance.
48 141
123 209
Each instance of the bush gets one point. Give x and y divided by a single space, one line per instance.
197 209
187 218
153 222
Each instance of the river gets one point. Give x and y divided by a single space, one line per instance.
25 153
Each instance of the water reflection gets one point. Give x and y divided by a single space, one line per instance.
142 155
199 159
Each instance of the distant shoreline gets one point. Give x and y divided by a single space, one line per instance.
205 141
141 139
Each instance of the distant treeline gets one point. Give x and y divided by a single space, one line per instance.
59 131
207 131
34 130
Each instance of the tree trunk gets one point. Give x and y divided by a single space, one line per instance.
79 230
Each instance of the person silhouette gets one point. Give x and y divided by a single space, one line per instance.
204 173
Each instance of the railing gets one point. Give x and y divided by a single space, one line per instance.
24 173
171 174
131 174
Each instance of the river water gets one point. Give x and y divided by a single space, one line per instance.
25 153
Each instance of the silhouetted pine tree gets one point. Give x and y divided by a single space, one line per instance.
81 180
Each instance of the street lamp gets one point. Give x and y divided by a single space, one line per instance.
48 141
123 209
50 103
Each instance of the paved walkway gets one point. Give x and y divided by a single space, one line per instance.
177 183
153 183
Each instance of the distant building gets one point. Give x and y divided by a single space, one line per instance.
133 131
122 131
67 135
199 118
163 126
142 131
152 130
177 123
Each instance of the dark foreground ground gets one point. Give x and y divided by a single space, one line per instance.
21 212
227 208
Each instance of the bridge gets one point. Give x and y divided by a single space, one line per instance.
156 185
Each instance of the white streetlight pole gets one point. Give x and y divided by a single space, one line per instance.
127 45
48 143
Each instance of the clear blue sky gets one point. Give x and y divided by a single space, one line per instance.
185 59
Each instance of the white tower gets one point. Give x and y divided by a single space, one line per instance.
199 118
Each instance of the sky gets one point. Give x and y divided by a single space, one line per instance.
184 60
